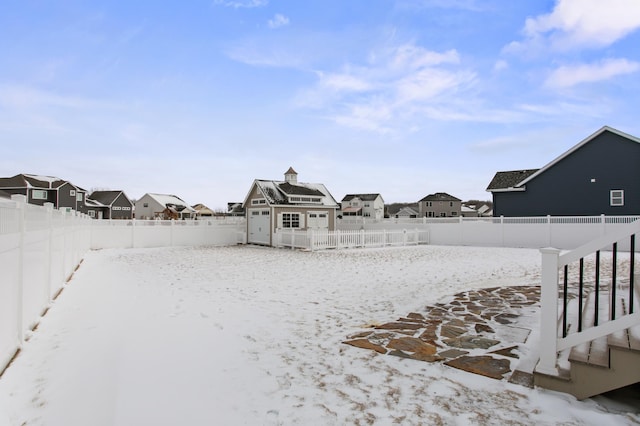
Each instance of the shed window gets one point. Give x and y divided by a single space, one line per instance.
617 197
291 220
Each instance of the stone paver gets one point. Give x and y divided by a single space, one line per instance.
478 331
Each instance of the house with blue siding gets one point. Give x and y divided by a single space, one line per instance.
599 175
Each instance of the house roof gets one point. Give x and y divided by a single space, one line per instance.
407 211
105 197
94 203
578 146
31 181
363 197
351 209
440 196
277 192
511 179
170 200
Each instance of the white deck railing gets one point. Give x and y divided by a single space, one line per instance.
314 239
553 332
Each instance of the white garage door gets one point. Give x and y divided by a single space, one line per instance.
259 226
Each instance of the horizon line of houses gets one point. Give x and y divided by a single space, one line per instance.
599 175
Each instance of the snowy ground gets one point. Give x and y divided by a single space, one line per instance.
248 335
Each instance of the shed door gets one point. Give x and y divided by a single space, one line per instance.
259 226
318 220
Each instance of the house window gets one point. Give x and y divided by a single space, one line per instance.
258 201
450 203
145 205
265 212
255 213
617 197
72 193
291 220
454 213
79 196
117 208
443 215
39 195
126 208
92 213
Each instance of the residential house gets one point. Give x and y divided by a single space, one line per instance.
109 205
407 213
363 205
599 175
440 204
164 207
288 204
235 209
476 210
202 210
46 189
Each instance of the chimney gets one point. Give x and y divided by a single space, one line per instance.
290 176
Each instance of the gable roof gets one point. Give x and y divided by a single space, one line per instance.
363 197
509 180
278 192
578 146
105 197
407 211
31 181
167 200
440 196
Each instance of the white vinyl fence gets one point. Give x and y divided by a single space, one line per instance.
561 232
313 239
40 247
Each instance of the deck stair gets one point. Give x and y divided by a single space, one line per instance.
600 365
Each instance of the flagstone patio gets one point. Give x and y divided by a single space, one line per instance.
483 331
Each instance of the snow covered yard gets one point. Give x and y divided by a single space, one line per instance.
250 335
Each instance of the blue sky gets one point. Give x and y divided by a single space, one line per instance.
404 98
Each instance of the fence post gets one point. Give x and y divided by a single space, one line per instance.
171 233
549 231
603 221
133 233
20 201
362 236
502 231
404 237
312 239
549 311
49 209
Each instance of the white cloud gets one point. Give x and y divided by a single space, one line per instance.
396 83
278 21
580 23
567 76
237 4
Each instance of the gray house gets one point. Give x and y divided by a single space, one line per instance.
600 175
46 189
109 205
440 204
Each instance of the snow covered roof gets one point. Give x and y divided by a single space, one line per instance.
363 197
278 192
165 199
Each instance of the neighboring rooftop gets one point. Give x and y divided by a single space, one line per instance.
505 180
